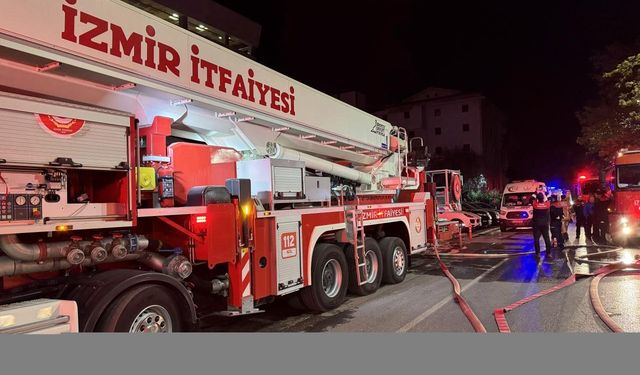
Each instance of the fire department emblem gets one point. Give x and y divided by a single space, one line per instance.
457 187
61 127
418 225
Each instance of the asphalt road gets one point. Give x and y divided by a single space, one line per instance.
424 301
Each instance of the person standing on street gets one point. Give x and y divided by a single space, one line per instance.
602 212
581 220
589 216
566 212
597 216
540 223
556 213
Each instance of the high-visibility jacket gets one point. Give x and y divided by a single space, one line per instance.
541 213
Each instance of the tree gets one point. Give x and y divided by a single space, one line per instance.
475 184
612 121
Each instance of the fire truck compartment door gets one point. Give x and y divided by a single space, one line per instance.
418 228
289 257
37 132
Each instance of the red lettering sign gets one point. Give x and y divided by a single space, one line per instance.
289 244
383 213
146 49
61 127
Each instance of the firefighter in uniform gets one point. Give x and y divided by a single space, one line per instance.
540 223
601 210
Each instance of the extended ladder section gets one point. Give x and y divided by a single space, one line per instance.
356 235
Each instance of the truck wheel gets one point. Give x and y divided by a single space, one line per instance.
373 258
394 260
329 279
143 309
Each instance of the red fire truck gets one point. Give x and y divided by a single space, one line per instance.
586 185
149 177
624 211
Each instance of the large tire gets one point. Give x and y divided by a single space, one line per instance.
329 279
145 308
374 261
394 260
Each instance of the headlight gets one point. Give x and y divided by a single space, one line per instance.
626 231
624 220
626 258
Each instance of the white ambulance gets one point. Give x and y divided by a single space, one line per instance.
515 209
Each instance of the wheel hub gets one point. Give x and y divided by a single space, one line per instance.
331 278
372 266
398 260
152 319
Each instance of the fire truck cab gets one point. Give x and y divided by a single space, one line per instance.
624 211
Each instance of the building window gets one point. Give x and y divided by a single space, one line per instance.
437 112
193 25
465 127
407 114
206 31
466 147
438 131
465 108
438 150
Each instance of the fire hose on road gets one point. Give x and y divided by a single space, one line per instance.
464 306
608 269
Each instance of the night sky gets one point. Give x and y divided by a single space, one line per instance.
530 58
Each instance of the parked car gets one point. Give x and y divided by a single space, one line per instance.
492 210
485 216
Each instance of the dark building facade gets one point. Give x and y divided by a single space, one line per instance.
209 20
462 130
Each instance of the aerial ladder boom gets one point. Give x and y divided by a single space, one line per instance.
244 105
